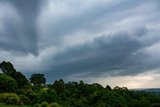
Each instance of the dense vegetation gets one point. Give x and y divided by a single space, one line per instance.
16 89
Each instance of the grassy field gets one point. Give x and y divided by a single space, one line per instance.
3 105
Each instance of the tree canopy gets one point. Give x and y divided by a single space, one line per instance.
15 89
38 79
8 69
7 84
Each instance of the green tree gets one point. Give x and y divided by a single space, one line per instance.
59 86
20 79
38 79
108 87
8 69
7 84
144 103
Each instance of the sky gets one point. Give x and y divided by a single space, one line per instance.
114 42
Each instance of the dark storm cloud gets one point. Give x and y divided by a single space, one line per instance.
80 19
115 55
28 10
20 30
62 38
22 34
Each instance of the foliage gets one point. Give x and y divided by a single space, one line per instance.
9 98
44 104
38 79
8 69
36 105
4 105
58 86
7 84
71 94
24 99
20 79
54 104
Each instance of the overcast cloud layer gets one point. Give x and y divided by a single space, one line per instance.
94 40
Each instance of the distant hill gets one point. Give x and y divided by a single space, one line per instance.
150 90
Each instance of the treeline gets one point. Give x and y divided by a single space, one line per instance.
16 89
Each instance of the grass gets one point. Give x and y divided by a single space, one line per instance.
3 105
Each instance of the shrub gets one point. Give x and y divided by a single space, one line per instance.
36 105
24 99
44 104
54 104
156 105
9 98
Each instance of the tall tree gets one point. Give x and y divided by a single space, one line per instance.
20 79
7 84
59 86
38 79
8 69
